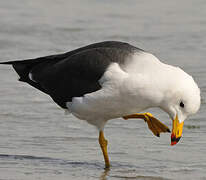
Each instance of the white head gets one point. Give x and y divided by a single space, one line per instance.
181 99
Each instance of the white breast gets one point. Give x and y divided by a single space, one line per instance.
123 91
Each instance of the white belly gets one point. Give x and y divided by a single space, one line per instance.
123 92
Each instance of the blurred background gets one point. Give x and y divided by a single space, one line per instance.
37 141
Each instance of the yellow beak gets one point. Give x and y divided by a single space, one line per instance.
176 131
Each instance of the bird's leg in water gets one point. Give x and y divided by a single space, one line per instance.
103 144
154 124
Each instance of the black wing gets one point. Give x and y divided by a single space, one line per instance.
74 73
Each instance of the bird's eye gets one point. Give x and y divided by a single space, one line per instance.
182 104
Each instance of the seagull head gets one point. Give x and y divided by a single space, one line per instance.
181 99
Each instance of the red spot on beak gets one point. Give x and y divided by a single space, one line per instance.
173 143
174 139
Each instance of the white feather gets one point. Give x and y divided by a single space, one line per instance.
31 77
142 83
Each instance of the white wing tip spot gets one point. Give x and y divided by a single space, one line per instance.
31 77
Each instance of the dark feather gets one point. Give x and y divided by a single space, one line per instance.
74 73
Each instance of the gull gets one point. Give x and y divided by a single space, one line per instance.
112 79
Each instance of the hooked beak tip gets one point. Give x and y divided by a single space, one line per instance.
177 128
174 139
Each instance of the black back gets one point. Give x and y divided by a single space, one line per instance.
74 73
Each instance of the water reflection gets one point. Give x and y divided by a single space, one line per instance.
126 174
39 142
104 174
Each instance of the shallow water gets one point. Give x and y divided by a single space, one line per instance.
37 141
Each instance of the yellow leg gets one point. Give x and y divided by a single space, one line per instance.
103 144
154 124
137 115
